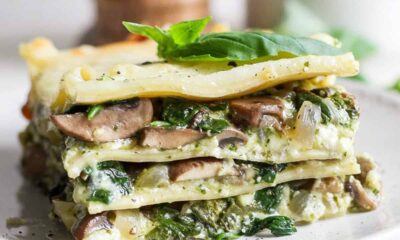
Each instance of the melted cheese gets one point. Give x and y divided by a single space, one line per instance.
331 142
212 188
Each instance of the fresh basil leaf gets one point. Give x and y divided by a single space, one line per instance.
248 46
155 33
279 226
182 42
269 198
188 31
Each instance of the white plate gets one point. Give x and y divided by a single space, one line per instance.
379 133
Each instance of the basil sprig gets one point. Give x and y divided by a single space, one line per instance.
184 42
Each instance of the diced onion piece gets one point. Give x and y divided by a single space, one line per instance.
337 115
155 176
308 117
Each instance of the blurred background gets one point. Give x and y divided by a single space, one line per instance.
369 28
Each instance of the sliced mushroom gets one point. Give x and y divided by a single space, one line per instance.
366 165
199 168
362 197
169 138
302 184
114 122
250 111
90 224
231 136
329 184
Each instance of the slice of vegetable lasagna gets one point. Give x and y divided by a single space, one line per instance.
212 136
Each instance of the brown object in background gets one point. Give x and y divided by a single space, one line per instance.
264 13
110 14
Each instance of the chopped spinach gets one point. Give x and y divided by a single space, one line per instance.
181 113
279 226
344 101
267 172
269 198
213 125
218 219
218 106
100 195
172 225
112 170
209 212
116 172
340 101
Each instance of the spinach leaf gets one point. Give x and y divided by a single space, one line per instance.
346 102
279 226
112 170
182 42
100 195
249 46
180 113
209 212
171 223
269 198
116 172
213 125
267 172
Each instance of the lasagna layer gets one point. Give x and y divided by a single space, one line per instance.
209 188
302 200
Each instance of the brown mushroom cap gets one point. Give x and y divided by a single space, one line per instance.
169 138
114 122
250 111
366 165
365 199
198 168
231 136
91 223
